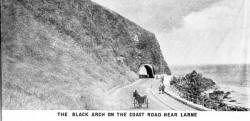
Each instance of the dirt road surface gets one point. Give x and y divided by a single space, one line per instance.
120 98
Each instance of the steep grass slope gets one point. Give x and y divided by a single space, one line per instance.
65 54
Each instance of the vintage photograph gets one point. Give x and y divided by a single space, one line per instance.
139 55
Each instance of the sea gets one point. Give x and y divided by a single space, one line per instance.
234 78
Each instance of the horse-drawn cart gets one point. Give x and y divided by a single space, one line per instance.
140 100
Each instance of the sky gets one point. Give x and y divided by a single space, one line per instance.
192 32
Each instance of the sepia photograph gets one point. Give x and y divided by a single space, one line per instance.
125 55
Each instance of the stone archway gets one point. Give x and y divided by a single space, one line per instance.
146 71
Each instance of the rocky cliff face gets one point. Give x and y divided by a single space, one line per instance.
64 54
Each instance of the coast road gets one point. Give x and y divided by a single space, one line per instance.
121 98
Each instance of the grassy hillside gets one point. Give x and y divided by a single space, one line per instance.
61 54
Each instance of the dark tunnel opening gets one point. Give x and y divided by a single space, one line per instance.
149 71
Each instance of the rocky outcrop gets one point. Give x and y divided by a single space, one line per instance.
193 86
74 50
99 29
193 83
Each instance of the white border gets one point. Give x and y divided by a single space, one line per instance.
51 115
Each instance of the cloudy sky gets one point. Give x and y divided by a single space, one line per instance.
193 31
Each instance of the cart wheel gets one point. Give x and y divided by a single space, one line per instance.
134 103
147 103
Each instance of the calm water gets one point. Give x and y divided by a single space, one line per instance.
233 78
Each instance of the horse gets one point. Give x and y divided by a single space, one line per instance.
161 89
140 99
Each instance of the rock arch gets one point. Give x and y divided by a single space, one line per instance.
146 71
